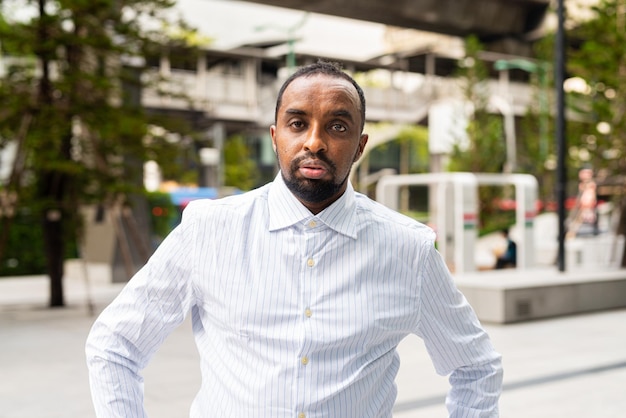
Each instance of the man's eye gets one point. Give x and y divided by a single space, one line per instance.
297 124
338 127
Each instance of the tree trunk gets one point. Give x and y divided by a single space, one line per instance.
55 188
52 185
54 246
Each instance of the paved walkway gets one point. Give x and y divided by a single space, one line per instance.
572 367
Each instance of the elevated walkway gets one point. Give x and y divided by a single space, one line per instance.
489 19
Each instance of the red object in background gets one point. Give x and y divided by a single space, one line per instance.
551 206
506 204
159 211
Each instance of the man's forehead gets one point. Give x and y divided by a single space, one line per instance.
322 78
331 85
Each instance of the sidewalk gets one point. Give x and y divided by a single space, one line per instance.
572 366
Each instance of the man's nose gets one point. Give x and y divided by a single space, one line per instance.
315 141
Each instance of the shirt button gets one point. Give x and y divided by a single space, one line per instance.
312 224
304 360
310 262
308 313
301 415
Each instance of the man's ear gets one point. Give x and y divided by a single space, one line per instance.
273 135
362 143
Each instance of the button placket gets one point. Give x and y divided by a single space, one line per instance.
310 230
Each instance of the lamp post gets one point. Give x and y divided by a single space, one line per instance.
559 79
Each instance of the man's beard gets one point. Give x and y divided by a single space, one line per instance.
313 190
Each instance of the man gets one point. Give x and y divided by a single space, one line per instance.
299 291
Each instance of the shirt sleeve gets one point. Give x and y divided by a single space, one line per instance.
457 343
130 330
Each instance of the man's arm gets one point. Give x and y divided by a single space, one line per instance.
475 390
457 343
131 329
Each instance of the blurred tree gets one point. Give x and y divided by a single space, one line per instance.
407 153
240 170
597 67
597 88
484 151
413 141
536 147
70 97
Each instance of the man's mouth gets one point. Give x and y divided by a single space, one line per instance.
313 169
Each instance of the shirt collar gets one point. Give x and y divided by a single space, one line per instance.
286 210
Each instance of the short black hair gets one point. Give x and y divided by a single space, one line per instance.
332 69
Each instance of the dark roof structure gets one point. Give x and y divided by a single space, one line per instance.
492 21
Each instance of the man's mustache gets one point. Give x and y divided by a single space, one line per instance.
313 156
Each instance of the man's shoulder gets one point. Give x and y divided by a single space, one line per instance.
234 204
374 212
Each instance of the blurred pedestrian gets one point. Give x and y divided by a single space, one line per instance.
508 259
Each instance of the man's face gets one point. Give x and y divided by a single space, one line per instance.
317 138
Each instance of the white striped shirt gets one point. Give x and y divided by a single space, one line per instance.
294 315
